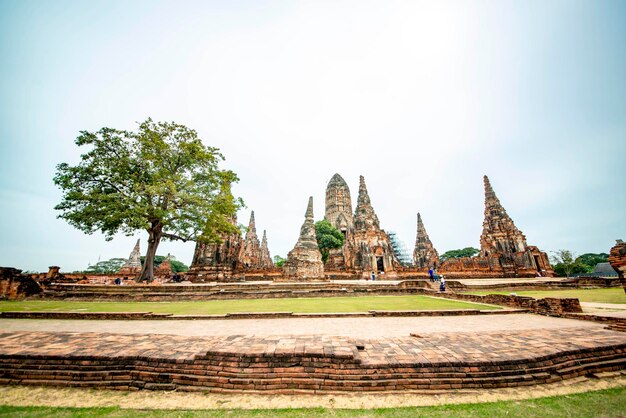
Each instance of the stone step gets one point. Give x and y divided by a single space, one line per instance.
163 380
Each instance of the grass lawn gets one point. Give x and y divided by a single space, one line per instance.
605 403
305 305
609 295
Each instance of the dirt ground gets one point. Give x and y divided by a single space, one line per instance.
70 397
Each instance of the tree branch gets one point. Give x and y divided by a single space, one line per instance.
176 237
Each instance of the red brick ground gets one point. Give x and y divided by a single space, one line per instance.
290 364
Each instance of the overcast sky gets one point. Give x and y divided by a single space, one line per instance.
422 98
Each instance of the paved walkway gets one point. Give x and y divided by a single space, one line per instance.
347 327
613 310
462 347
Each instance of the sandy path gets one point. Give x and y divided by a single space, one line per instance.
350 327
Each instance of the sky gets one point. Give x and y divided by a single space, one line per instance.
422 98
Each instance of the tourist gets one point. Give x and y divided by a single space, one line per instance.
373 276
442 286
430 275
435 275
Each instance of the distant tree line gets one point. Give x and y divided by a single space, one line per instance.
464 252
113 265
565 263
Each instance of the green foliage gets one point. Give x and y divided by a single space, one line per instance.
106 267
589 260
565 263
177 266
328 238
279 261
465 252
161 179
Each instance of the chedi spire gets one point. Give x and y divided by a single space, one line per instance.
251 257
132 266
500 235
424 254
364 216
266 259
305 260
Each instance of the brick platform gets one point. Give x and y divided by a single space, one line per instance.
308 364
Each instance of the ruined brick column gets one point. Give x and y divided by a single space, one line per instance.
216 261
164 271
617 258
304 262
424 254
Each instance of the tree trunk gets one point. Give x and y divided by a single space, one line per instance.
154 238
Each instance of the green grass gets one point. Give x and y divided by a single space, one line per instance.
605 403
304 305
609 295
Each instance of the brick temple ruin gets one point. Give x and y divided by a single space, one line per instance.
367 248
503 248
233 257
132 266
304 262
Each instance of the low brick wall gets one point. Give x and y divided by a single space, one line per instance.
546 306
307 364
243 315
231 291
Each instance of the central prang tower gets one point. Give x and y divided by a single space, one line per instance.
339 205
366 247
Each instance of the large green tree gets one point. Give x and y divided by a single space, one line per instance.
328 238
279 261
161 179
565 263
464 252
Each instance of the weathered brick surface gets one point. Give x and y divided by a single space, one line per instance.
305 364
546 306
14 285
617 258
243 315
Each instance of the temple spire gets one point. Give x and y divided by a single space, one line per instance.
364 215
339 204
266 259
307 231
251 250
500 235
305 260
252 224
424 254
490 196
